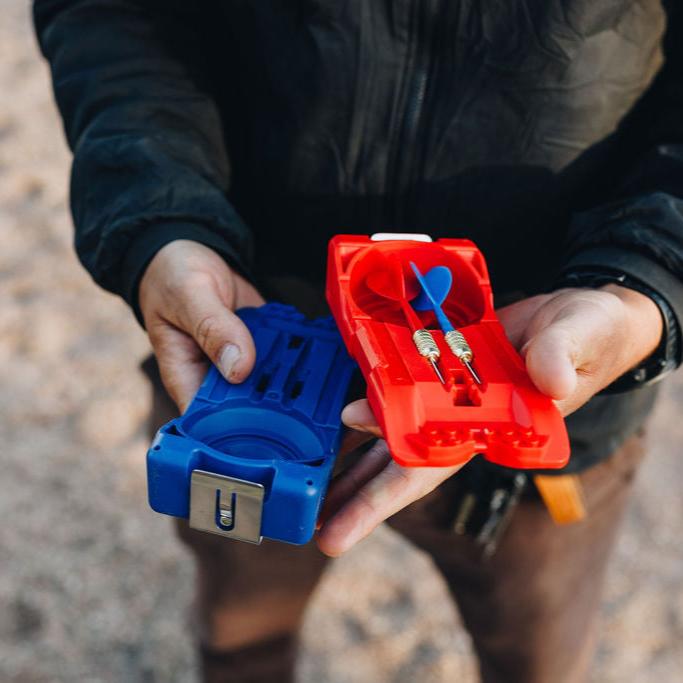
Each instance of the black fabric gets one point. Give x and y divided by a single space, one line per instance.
130 82
549 133
637 265
603 424
666 357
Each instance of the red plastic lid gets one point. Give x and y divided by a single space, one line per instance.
424 422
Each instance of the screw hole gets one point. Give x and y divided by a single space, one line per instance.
309 482
263 383
296 389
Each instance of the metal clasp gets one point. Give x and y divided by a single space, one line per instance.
226 506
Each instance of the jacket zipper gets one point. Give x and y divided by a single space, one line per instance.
405 157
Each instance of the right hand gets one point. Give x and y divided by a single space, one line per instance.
187 297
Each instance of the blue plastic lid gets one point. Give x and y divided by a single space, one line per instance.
279 429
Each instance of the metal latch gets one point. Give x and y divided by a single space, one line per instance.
226 506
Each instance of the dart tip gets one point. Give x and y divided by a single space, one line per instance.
475 376
437 371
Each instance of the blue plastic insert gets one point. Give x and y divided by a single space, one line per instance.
280 428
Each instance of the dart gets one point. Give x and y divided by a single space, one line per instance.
390 283
436 284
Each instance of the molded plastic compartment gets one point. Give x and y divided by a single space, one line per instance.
280 428
425 423
465 305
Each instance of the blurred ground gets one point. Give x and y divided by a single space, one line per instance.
93 586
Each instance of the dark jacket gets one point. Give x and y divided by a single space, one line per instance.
550 132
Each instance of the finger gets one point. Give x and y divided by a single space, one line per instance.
578 352
352 440
514 325
358 416
182 365
551 361
220 334
391 490
350 481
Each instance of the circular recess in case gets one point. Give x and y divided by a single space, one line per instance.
255 433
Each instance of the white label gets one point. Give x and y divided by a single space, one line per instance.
402 236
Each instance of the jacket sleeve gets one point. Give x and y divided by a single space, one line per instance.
638 230
149 161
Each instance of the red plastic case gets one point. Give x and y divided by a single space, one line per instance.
424 422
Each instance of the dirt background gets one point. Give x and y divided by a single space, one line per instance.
93 586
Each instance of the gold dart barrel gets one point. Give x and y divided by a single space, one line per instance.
427 348
459 346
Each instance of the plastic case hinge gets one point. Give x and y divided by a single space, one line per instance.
226 506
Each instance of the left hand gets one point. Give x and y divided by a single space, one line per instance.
575 342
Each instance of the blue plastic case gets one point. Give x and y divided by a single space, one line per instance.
254 460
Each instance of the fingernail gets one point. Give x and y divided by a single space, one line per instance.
227 360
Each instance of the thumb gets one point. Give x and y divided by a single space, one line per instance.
358 416
220 334
552 360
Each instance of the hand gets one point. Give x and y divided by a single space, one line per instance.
371 490
187 297
574 341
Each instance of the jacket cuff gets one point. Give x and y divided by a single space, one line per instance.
635 265
152 239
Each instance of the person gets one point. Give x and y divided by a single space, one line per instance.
218 146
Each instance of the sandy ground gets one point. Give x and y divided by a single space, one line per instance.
93 586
